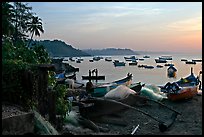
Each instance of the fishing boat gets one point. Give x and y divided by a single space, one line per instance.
97 58
160 61
146 56
78 61
168 64
185 88
166 57
61 77
177 93
190 62
197 60
142 66
148 67
159 66
171 71
190 80
96 107
101 89
130 58
118 63
141 59
133 63
184 60
108 59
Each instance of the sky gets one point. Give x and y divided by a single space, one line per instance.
140 26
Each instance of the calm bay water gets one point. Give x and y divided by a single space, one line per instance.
157 76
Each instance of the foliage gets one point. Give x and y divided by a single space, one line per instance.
20 61
62 104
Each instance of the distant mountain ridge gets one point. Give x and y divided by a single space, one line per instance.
110 51
57 48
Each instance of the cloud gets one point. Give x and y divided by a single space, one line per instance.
191 24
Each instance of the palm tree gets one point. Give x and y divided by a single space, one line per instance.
35 27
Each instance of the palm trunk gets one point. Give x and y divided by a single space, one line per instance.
30 39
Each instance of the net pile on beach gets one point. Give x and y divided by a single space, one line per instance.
119 92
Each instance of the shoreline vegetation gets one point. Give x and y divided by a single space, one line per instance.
34 102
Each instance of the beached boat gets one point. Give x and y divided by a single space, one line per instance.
160 61
96 107
190 80
185 88
118 63
101 89
171 71
177 93
61 77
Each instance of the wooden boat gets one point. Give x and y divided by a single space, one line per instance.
108 59
185 88
171 71
118 63
78 61
141 59
197 60
96 58
168 64
159 66
190 62
97 107
142 66
100 90
133 63
167 57
190 80
183 93
61 77
148 67
160 61
184 60
146 56
130 58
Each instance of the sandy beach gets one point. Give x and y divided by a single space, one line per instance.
188 123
